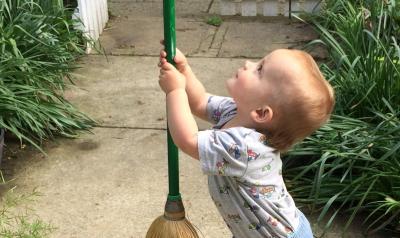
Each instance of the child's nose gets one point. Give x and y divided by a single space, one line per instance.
247 64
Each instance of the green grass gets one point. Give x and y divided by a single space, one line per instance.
24 223
214 21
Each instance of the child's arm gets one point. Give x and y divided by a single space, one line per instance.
195 90
182 126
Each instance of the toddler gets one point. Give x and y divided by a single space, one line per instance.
274 103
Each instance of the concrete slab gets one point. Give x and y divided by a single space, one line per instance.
266 36
112 184
152 8
141 36
215 8
124 91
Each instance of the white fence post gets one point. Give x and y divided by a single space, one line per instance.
94 16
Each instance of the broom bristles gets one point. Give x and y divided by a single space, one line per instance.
165 228
173 224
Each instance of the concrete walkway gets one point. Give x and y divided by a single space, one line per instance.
113 183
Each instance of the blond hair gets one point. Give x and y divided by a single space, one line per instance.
302 103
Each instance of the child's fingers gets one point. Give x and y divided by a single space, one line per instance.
179 57
161 62
167 66
163 54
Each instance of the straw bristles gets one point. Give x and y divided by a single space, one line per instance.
165 228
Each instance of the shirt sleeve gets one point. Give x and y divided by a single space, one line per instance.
220 109
222 152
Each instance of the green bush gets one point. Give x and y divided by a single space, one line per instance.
352 163
349 165
364 51
38 49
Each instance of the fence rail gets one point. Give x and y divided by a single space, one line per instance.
94 16
268 7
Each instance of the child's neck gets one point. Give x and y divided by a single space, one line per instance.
239 120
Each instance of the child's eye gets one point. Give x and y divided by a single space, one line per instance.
259 68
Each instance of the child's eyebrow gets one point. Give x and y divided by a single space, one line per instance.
262 62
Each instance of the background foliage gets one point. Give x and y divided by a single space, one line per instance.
38 50
352 164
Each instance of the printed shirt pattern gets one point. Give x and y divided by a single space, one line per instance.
245 176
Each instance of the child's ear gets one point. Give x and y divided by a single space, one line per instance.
262 114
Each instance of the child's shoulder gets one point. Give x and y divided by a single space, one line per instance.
217 98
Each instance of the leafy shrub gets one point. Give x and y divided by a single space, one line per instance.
353 163
364 65
38 48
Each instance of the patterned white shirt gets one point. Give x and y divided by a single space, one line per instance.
245 176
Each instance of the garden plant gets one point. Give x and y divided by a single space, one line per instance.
352 164
38 51
214 21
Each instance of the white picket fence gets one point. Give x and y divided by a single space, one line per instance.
268 7
94 16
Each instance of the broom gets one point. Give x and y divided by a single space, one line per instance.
173 223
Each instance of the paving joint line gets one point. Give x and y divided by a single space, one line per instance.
140 128
131 127
209 6
223 39
213 39
188 56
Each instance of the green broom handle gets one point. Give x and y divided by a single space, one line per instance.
170 45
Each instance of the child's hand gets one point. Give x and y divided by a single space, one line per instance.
170 78
179 58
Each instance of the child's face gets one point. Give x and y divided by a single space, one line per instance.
248 86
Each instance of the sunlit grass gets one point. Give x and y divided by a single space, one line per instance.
21 222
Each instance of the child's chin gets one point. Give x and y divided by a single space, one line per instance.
228 85
229 82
